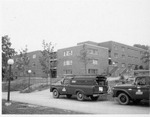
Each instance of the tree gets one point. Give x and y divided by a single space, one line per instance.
146 55
84 57
7 52
22 63
47 55
145 47
146 59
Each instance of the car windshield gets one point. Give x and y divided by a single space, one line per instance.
140 81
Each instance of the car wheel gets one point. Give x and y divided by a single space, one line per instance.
123 99
68 96
55 93
94 98
80 96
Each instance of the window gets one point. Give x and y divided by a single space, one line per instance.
93 51
34 56
123 56
140 81
68 62
92 71
94 61
116 55
68 53
115 47
66 81
123 48
68 71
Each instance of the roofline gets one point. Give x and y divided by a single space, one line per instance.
127 45
94 46
85 44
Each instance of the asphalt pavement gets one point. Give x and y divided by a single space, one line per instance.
44 98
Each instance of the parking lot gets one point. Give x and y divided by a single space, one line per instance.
44 98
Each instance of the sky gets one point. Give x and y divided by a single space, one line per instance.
65 23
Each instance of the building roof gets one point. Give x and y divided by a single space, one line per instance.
124 45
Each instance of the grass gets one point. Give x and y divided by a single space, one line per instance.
24 108
22 84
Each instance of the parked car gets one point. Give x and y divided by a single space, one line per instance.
137 91
81 86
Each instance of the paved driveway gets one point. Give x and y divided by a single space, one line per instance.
44 98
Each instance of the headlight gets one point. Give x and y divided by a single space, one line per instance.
101 89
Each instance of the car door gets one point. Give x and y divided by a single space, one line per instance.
142 89
65 88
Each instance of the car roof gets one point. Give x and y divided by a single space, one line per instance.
85 77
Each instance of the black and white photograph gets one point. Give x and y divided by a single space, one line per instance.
75 57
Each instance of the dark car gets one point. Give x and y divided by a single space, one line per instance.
81 86
137 91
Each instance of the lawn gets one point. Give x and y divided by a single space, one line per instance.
22 84
24 108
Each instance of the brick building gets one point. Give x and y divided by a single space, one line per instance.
106 57
70 62
123 58
35 65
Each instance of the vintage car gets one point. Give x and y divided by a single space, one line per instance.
81 86
135 92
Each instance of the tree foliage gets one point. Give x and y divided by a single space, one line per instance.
7 52
145 47
47 54
84 57
22 63
146 55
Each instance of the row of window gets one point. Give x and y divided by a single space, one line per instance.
124 65
116 48
89 51
90 71
116 55
132 50
70 62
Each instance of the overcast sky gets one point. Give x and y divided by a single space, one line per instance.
67 22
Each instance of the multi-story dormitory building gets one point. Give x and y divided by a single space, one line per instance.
94 62
109 57
35 65
123 58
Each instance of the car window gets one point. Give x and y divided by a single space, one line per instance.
66 81
141 81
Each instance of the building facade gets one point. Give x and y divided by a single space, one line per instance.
35 65
85 58
123 58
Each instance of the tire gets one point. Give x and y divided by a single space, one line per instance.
123 99
68 96
55 93
80 96
94 98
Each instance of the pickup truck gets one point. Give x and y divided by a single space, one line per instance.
81 86
135 92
